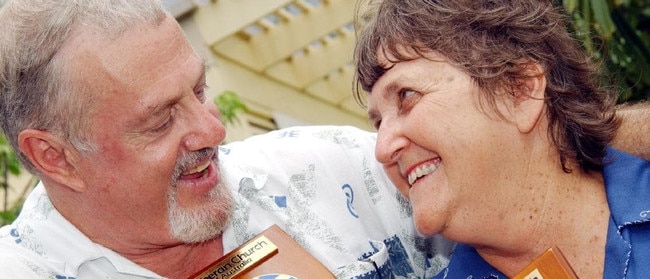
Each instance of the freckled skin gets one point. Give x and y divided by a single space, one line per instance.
498 184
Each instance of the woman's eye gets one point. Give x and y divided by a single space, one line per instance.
407 99
406 93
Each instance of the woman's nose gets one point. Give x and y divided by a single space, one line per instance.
390 143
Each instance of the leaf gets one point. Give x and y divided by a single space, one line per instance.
605 24
570 5
8 216
229 106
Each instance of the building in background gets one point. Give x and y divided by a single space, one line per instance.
288 60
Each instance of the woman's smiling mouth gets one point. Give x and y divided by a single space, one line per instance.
421 170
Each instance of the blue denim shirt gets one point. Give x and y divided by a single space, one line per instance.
627 252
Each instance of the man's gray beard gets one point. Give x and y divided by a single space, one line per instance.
203 223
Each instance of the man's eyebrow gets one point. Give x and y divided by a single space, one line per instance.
160 108
204 69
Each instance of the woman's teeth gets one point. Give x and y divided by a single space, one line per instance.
420 172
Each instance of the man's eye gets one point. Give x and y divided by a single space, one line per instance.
200 92
161 128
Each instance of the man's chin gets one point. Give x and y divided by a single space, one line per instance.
201 222
193 226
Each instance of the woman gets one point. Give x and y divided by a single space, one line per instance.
491 121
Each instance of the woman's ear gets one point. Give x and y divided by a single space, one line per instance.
529 98
52 156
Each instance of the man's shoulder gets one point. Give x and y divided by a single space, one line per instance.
315 138
18 260
21 252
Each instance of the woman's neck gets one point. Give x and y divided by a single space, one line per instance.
572 215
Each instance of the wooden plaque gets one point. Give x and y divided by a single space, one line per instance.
550 265
271 254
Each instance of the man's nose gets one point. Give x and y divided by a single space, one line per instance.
207 130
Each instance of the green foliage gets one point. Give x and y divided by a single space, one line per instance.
229 106
617 32
9 165
8 160
9 215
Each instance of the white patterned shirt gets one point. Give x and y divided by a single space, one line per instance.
321 184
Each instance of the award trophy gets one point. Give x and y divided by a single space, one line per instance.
550 265
272 254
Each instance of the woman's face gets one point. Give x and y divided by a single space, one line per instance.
442 148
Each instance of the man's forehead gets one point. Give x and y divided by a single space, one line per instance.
127 59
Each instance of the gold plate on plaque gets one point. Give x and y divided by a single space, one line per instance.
272 254
240 260
550 265
275 276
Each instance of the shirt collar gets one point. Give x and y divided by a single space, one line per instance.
58 239
627 179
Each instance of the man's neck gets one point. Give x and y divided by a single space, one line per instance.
180 261
153 250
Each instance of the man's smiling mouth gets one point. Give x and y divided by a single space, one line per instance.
196 171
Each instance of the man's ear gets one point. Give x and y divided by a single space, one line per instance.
52 156
529 98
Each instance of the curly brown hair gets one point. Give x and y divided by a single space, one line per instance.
493 41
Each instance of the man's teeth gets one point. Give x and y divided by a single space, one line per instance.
198 168
420 172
